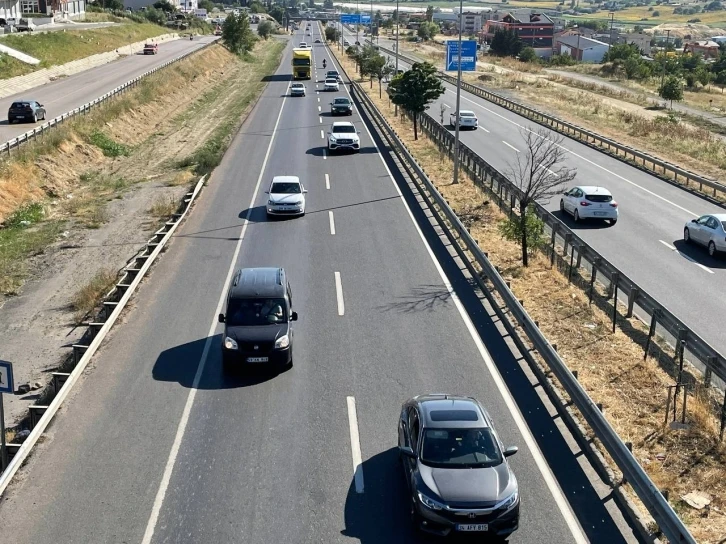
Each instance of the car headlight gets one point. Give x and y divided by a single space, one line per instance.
230 343
428 502
332 138
270 202
510 501
282 342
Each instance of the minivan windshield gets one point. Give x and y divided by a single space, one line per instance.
460 448
250 312
285 188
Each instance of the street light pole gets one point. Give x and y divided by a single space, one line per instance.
397 30
458 98
612 19
357 25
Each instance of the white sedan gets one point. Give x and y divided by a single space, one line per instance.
331 85
287 196
708 231
590 202
466 119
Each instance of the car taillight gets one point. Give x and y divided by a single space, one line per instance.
614 204
584 203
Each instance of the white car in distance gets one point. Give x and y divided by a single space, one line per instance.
343 135
466 119
590 202
286 196
331 85
297 89
304 45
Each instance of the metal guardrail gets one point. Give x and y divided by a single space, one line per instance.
33 134
626 153
649 494
114 304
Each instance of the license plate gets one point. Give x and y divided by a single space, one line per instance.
256 359
472 527
600 213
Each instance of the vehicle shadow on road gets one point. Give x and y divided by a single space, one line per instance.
277 77
256 214
698 254
582 224
180 364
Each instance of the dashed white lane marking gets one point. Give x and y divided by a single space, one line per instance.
339 294
332 222
510 145
355 445
327 181
689 259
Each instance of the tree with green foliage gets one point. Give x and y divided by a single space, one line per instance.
621 51
528 54
719 78
237 35
257 7
328 4
277 13
265 29
113 5
672 89
427 31
165 6
415 89
703 76
430 14
156 16
206 4
506 43
332 34
539 173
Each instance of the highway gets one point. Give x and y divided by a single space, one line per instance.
647 242
68 93
159 446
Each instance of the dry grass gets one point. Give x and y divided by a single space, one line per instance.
610 366
163 207
91 295
184 177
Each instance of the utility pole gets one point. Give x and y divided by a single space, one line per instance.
370 24
458 98
612 19
397 30
665 57
357 26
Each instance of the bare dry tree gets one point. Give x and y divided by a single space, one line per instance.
539 173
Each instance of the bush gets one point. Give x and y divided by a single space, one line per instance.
528 54
109 147
656 14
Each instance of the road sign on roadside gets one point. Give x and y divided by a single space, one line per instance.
6 377
468 55
355 19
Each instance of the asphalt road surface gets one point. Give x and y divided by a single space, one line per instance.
647 242
159 446
68 93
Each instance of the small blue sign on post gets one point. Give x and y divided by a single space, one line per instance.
468 55
6 377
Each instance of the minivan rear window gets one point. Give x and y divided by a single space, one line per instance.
599 198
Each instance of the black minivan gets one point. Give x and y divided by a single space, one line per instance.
258 328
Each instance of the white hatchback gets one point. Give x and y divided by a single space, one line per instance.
590 202
331 85
466 119
286 196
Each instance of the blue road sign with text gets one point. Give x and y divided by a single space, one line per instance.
468 55
353 19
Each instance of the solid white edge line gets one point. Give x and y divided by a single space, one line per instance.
327 181
593 163
572 524
339 294
355 445
332 222
667 245
510 145
704 267
181 428
686 257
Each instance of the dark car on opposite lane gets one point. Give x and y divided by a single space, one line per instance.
258 328
456 468
341 106
26 110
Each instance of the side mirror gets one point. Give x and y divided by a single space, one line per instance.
694 220
305 190
408 452
221 318
358 132
328 132
267 192
293 317
511 450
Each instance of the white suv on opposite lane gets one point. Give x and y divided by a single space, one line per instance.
343 135
286 196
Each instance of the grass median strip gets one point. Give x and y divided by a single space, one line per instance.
610 366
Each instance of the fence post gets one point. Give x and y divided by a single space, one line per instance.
614 278
651 332
632 297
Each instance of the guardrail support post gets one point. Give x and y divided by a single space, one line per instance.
59 378
78 350
651 332
36 412
710 361
723 419
572 259
595 263
614 278
632 297
554 240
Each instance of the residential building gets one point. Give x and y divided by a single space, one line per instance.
640 39
534 29
471 22
708 49
188 6
582 49
62 9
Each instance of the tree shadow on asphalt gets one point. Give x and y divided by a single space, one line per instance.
589 508
180 364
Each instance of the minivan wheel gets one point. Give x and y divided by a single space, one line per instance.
712 249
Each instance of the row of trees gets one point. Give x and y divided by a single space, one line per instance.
370 63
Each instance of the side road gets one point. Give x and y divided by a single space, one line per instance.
9 87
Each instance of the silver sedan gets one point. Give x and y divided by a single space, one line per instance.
708 231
